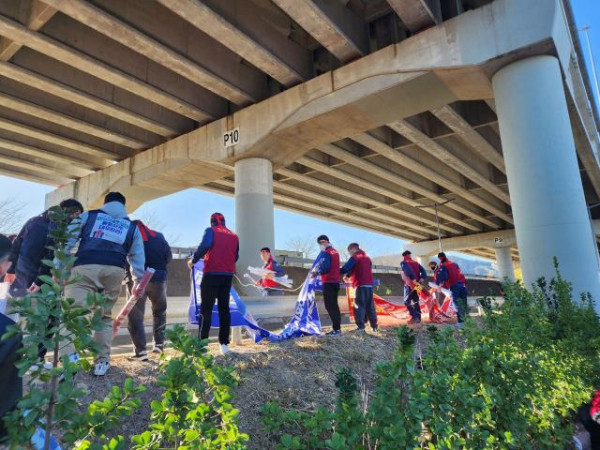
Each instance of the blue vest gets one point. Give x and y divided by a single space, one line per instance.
105 240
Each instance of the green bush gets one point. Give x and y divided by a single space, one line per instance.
512 380
195 411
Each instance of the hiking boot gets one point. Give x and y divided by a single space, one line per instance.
414 321
224 349
333 333
101 368
142 356
158 348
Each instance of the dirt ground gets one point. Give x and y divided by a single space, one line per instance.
299 373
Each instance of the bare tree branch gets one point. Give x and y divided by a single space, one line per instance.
11 215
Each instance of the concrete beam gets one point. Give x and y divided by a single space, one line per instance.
331 24
84 63
386 175
77 168
58 89
382 148
493 239
103 157
449 116
438 151
330 211
417 14
48 171
354 197
14 172
31 109
128 36
37 14
248 35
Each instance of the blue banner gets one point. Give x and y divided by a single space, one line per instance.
305 321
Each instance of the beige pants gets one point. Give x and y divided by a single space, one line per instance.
95 278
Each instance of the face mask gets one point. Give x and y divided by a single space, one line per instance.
322 247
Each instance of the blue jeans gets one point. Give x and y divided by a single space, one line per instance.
364 307
459 298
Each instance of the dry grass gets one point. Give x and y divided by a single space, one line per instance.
299 374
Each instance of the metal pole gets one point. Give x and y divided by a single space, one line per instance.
437 220
592 62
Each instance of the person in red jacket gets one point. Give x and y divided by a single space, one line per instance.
415 274
272 287
328 269
220 249
360 270
451 277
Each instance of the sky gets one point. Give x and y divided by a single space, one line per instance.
184 216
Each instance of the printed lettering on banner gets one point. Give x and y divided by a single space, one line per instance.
110 229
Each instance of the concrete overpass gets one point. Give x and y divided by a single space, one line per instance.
357 111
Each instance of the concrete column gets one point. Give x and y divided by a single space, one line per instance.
504 263
253 209
548 204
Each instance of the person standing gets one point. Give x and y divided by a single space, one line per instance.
31 247
328 269
158 255
416 273
272 287
360 270
451 277
220 249
108 240
11 384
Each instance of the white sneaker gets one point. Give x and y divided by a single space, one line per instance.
224 349
101 368
143 356
158 349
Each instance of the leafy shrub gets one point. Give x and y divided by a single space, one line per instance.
195 410
512 381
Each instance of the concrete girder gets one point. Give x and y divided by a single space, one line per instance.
340 213
492 239
77 168
382 218
13 172
37 14
89 150
382 148
55 88
128 36
472 138
438 151
49 171
336 173
331 24
294 205
247 35
382 173
31 109
354 196
417 14
84 63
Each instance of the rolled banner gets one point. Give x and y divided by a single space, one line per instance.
142 284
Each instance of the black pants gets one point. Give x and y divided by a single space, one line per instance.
330 298
413 305
215 288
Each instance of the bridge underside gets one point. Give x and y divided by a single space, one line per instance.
369 112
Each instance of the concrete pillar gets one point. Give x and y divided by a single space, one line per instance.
548 204
504 263
253 210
